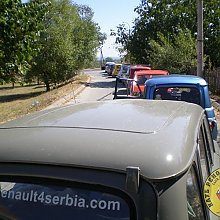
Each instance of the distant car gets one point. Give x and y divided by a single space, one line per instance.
140 78
73 162
116 69
193 89
110 69
123 70
107 66
102 66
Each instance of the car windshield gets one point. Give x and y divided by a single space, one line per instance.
141 79
31 201
112 66
188 94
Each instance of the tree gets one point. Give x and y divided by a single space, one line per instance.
55 62
168 17
178 56
160 16
123 36
68 43
20 25
88 37
101 38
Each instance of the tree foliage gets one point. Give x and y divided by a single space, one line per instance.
20 25
101 38
68 43
168 18
46 40
177 56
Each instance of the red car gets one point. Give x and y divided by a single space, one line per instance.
140 78
135 68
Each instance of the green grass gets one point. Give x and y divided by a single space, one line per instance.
21 100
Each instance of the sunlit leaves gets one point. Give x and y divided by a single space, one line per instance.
177 56
20 25
69 42
168 17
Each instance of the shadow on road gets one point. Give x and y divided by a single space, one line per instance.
101 84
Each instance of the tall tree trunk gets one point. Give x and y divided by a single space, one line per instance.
47 86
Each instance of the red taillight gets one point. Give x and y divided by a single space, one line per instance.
211 124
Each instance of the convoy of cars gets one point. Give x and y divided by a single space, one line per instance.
149 160
175 87
73 162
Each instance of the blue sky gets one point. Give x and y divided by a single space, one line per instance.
108 15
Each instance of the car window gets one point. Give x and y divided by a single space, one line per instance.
187 94
203 155
194 199
141 79
25 201
209 140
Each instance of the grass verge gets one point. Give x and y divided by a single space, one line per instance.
21 100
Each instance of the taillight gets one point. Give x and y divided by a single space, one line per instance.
211 124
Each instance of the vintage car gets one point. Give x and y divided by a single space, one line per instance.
107 66
124 70
134 68
140 78
73 162
110 69
189 88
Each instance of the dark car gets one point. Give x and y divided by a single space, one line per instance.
73 162
110 69
189 88
107 65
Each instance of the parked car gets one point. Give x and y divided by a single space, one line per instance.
107 66
110 69
149 164
140 78
137 68
123 70
102 66
189 88
116 69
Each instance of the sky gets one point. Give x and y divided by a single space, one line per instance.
108 15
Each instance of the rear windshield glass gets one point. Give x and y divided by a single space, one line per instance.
31 201
141 79
187 94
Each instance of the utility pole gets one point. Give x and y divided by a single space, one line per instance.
200 38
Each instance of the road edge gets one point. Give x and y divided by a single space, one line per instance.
66 98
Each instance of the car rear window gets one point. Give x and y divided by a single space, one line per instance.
141 79
39 201
188 94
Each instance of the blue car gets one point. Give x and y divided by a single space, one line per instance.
189 88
